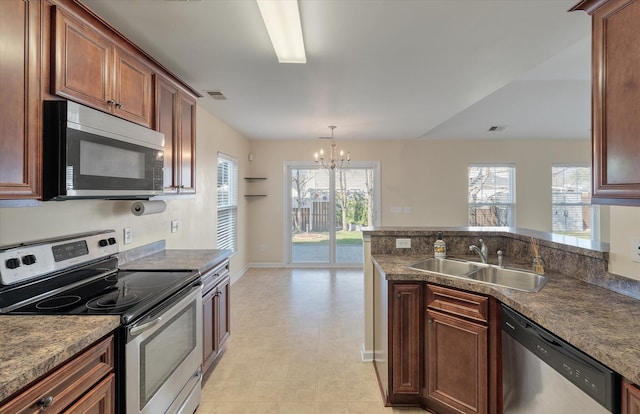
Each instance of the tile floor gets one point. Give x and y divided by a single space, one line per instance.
295 347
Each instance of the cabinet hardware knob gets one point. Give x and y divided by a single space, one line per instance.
111 102
45 402
119 105
430 321
398 296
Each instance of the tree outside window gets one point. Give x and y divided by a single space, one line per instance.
491 195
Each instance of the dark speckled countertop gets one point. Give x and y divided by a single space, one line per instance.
178 259
31 346
600 322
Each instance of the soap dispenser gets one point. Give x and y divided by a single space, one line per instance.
439 247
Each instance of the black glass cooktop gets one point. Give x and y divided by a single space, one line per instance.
107 292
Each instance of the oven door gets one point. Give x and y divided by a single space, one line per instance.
163 356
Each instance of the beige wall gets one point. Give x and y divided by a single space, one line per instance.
625 225
430 177
197 215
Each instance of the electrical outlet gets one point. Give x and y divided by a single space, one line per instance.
174 226
261 247
635 249
128 235
403 243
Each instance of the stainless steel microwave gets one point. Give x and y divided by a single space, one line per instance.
91 154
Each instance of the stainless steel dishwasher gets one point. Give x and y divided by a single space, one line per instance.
544 374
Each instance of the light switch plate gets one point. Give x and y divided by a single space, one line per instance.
403 243
174 226
128 235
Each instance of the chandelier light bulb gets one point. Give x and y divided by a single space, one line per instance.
333 162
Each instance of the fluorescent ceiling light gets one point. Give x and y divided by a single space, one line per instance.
282 19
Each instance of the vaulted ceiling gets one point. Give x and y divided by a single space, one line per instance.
378 69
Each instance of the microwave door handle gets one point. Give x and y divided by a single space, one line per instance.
137 329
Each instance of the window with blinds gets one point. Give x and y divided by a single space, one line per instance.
227 202
492 195
572 212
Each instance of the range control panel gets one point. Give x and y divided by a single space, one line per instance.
31 260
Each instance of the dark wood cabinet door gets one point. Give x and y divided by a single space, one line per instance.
166 122
209 348
133 89
630 398
175 117
100 400
456 364
187 137
615 100
405 339
83 62
20 105
224 326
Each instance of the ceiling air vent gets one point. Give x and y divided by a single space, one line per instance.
217 95
497 128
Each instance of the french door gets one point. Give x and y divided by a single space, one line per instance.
326 211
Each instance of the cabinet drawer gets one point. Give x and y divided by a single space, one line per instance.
214 276
455 302
67 383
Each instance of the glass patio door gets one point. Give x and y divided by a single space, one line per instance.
327 209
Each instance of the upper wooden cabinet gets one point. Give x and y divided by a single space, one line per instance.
176 118
615 100
20 105
89 68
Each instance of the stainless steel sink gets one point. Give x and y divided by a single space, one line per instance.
483 273
511 278
446 267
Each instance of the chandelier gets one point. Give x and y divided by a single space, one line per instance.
333 162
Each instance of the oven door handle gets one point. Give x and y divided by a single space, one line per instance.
136 330
166 312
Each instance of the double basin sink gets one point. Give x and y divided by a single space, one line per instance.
483 273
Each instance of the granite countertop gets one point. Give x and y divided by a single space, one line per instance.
598 321
32 346
178 259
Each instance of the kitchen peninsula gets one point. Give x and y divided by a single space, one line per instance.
578 303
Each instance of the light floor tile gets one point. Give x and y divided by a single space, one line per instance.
296 337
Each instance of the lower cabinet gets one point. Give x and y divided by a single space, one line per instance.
456 348
437 347
85 384
215 315
630 398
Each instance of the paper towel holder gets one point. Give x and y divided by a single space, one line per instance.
143 208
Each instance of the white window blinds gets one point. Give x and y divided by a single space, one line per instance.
227 202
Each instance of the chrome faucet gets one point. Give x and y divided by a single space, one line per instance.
483 251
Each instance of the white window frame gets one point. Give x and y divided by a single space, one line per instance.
594 210
510 205
227 205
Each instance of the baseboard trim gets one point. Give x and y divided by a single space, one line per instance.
366 355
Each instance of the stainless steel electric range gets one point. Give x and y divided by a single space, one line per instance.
159 343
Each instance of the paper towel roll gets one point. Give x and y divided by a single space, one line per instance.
142 208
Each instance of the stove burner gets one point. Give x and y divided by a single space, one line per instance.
58 302
164 279
111 278
114 300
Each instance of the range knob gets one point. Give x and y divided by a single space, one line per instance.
12 263
28 259
112 240
103 243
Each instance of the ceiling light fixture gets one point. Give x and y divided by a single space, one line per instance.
282 18
332 162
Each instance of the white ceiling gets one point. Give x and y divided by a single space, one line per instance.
378 69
